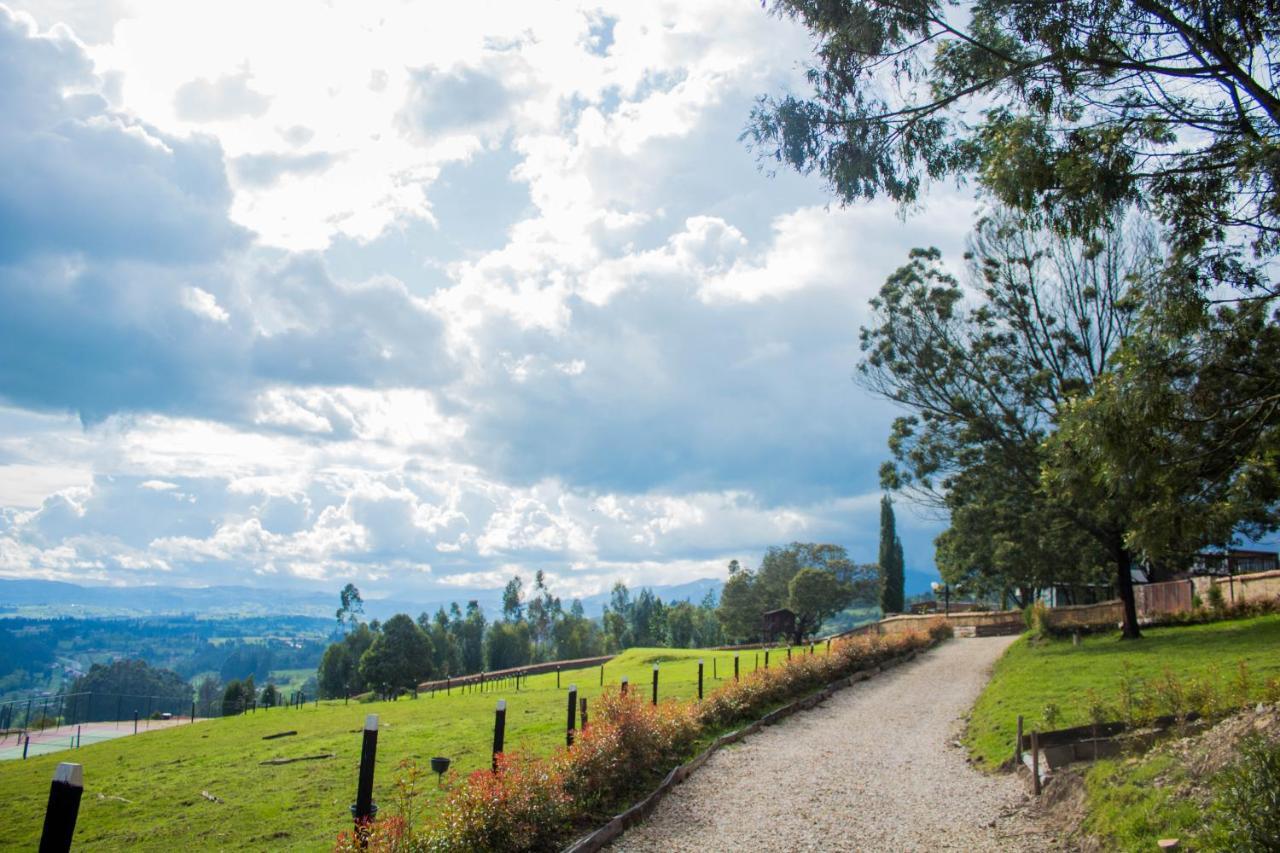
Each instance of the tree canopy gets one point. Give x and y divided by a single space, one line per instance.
1073 110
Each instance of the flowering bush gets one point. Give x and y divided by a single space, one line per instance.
531 802
757 691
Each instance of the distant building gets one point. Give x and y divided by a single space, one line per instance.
1234 561
780 621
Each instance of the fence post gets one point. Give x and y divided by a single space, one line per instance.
715 676
63 808
624 685
446 685
1035 762
364 810
735 666
699 679
655 684
582 723
77 735
1017 744
602 675
828 645
557 678
499 730
573 710
788 653
25 746
193 712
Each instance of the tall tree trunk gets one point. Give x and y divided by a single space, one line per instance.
1124 583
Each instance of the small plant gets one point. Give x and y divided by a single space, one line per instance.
1248 806
1096 707
1197 603
1170 693
1271 692
1216 602
1050 715
1036 618
1241 684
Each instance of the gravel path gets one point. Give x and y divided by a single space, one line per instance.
874 768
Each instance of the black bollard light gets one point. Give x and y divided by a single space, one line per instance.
63 808
499 730
573 710
364 809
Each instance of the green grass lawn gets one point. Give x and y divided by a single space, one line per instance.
1031 676
144 792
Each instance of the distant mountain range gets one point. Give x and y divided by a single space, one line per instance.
56 598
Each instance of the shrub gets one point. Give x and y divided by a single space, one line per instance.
1248 805
1216 602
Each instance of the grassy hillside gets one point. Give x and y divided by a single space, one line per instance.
1030 677
145 792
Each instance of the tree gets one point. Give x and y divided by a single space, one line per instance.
682 625
233 699
985 372
508 645
446 654
133 681
512 606
399 658
338 675
209 696
1185 431
352 607
740 607
1072 110
470 636
270 696
575 635
617 618
892 571
648 620
813 596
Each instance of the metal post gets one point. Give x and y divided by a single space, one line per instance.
1017 744
499 730
193 712
25 746
63 808
735 666
364 809
655 684
573 710
602 675
699 679
557 678
766 658
77 736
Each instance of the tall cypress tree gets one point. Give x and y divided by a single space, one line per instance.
892 580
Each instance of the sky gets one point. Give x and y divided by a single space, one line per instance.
294 294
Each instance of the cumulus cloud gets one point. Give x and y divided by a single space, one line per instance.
492 295
227 97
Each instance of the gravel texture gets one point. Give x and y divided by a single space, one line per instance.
877 767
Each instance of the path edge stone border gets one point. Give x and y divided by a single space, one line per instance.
598 839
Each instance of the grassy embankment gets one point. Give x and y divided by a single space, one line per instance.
1131 802
145 792
1030 677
